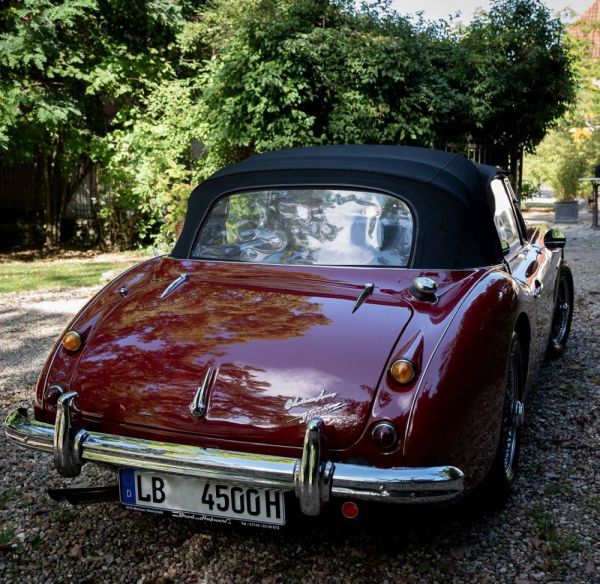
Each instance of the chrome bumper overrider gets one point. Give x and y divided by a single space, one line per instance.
312 479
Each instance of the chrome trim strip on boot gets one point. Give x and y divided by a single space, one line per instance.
312 479
174 284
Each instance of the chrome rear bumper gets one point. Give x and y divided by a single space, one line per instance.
313 480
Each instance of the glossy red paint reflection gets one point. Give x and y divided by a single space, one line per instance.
287 347
264 329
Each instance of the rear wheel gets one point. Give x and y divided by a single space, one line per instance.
563 315
501 477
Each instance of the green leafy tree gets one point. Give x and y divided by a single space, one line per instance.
572 149
288 73
518 72
269 74
69 70
151 165
163 92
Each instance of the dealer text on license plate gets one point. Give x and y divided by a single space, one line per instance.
199 497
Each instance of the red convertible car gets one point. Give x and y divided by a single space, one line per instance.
343 323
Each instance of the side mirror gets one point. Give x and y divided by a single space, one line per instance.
505 246
555 239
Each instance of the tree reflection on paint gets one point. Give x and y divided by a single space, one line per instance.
151 347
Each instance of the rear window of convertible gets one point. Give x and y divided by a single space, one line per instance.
308 226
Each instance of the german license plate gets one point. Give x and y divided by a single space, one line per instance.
199 498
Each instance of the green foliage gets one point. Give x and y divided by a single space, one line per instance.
7 495
558 543
268 74
560 161
161 93
301 73
151 165
521 72
529 190
6 535
67 67
571 150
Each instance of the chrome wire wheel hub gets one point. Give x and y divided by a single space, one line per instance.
512 419
562 312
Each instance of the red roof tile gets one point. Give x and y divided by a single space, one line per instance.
582 28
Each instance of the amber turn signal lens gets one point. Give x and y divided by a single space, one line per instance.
403 371
72 341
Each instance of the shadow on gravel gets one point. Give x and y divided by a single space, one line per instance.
386 528
32 335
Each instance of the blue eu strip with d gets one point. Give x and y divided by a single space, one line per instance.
127 482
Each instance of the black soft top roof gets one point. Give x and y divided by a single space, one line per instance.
449 194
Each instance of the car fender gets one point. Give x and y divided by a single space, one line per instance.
60 364
456 412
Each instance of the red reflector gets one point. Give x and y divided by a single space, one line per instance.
384 435
350 510
52 394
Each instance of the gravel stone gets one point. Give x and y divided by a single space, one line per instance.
548 532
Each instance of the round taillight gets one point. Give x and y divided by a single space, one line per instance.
403 371
52 394
384 435
72 341
350 510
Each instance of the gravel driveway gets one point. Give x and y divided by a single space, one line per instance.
548 532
